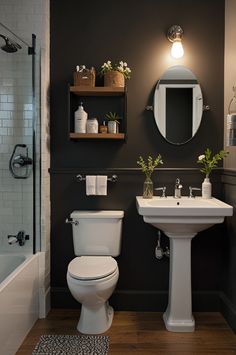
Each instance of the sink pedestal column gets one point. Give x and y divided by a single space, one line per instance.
178 316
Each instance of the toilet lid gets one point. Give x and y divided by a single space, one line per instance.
91 267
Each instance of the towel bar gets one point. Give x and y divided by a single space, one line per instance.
113 178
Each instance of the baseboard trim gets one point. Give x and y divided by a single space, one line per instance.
44 302
140 301
206 301
228 309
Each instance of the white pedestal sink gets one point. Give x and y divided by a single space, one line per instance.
181 219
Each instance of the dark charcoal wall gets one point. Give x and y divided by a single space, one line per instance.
90 33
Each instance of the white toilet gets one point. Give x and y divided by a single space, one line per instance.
92 276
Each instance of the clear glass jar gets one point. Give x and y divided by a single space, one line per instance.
148 188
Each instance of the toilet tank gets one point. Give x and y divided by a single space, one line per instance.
97 232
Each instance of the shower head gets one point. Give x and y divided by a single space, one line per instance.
10 46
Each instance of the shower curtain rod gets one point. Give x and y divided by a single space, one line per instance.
13 33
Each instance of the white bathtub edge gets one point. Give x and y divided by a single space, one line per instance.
44 302
19 305
44 284
14 273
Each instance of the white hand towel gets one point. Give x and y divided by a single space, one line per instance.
101 185
90 185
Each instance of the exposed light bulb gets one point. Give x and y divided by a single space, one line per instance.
174 35
177 50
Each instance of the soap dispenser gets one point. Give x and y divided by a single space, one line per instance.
80 119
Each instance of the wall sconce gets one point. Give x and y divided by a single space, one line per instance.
174 35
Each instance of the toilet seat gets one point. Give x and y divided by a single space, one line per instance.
92 267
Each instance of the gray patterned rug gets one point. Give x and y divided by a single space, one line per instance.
72 345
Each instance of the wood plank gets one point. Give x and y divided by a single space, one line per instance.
97 136
97 91
143 333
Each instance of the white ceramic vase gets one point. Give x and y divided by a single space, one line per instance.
112 127
206 188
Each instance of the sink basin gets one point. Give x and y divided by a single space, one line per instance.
182 215
181 219
158 206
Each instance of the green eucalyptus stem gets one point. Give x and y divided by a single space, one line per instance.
210 161
148 166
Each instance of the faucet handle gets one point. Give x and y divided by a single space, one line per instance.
191 189
163 189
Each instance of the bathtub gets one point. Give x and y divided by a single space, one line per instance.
9 263
19 299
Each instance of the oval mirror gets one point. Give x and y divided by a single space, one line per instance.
178 105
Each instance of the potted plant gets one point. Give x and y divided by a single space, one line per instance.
148 168
112 118
209 162
115 75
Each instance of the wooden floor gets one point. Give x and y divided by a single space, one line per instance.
143 333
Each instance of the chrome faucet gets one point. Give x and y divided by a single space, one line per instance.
20 238
178 188
163 189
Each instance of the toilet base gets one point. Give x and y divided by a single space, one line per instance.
95 320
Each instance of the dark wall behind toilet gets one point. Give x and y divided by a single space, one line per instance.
91 33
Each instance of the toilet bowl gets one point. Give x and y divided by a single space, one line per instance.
92 275
92 280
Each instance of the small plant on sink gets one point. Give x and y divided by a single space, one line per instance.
209 162
147 168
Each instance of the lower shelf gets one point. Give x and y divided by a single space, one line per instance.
97 136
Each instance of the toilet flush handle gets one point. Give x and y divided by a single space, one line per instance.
71 221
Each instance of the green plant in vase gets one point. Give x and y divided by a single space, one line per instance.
121 67
209 162
147 168
115 74
113 121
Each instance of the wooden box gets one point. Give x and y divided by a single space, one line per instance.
85 78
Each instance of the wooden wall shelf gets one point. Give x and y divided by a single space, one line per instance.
97 91
98 99
97 136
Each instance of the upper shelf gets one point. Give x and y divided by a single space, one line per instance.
97 91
